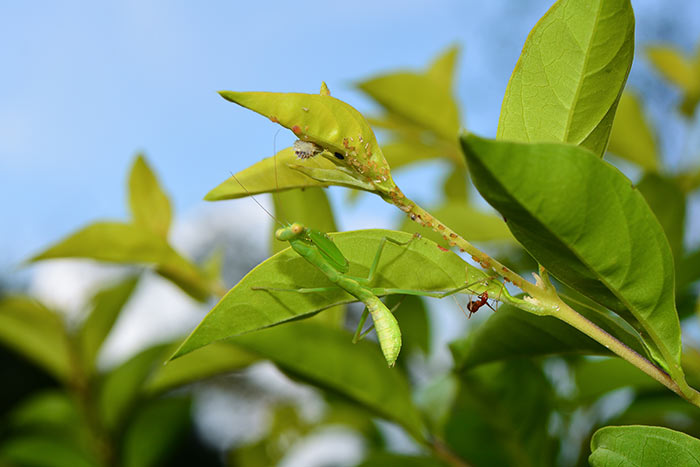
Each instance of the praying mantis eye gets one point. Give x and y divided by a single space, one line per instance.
306 149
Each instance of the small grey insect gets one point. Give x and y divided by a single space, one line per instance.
306 149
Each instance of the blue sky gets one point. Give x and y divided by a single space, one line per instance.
85 85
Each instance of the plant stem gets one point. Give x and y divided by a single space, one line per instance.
548 302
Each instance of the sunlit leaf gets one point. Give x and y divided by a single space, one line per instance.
681 71
419 265
631 446
570 75
417 97
118 242
583 220
36 333
328 122
473 224
261 177
150 206
631 138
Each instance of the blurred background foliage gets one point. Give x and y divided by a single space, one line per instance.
302 394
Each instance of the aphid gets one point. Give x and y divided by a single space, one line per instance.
339 156
306 149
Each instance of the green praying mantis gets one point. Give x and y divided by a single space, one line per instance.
320 251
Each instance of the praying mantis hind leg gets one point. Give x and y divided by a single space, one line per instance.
378 255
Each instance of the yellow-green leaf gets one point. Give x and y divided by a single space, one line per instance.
631 138
150 206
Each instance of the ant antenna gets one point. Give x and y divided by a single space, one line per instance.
256 201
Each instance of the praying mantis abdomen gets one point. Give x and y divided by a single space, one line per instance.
387 328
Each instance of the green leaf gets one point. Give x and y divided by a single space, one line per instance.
36 333
415 325
123 385
631 137
667 201
44 451
327 357
106 306
584 221
675 67
405 152
570 75
490 424
636 445
118 242
683 72
442 69
382 459
597 377
419 98
328 122
261 178
512 333
46 411
214 359
475 225
154 431
420 265
150 206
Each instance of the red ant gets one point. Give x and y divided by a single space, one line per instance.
474 305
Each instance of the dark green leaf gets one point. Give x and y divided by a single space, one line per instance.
123 385
44 451
597 377
327 357
214 359
154 432
106 306
584 221
491 424
150 206
570 75
667 201
383 459
637 445
513 333
420 265
36 333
